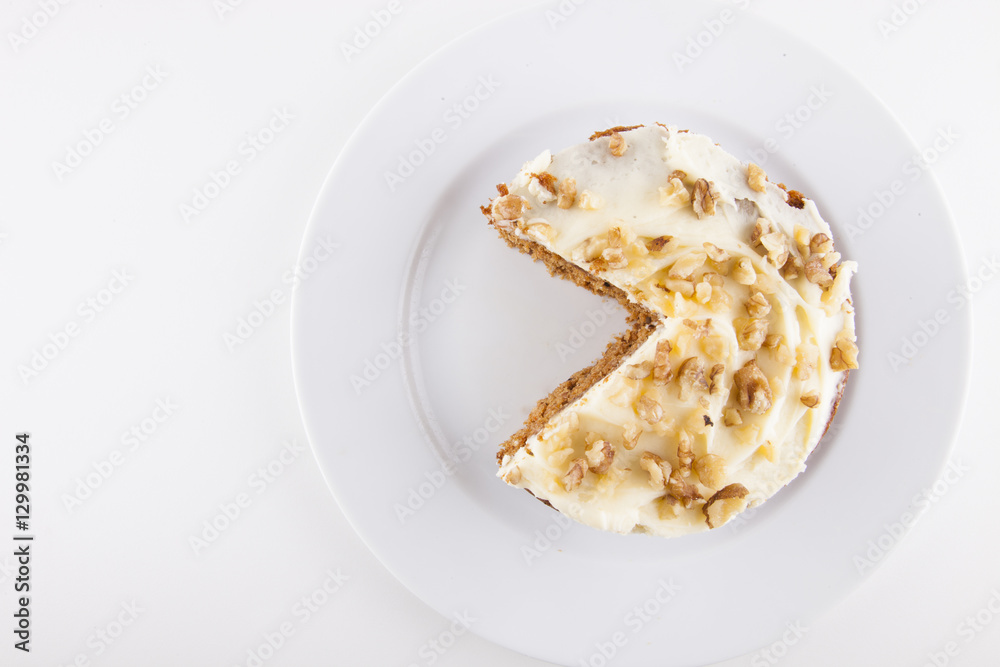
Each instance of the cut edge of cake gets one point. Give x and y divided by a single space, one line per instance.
641 323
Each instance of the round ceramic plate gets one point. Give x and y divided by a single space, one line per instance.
427 341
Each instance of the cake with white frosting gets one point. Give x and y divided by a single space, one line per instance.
740 340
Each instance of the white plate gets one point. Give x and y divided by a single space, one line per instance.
496 338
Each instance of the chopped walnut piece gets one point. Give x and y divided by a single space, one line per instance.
541 232
773 241
810 400
776 245
802 239
701 328
662 371
835 297
617 145
725 504
675 193
754 392
660 244
691 377
685 452
773 340
830 260
687 264
577 469
615 237
677 173
589 201
685 287
756 177
615 257
547 181
638 248
711 470
596 245
658 469
796 199
779 258
806 360
792 268
630 436
590 249
600 456
816 273
703 292
714 279
715 253
573 421
721 301
758 305
732 417
766 450
704 198
760 228
682 490
743 272
649 410
714 347
639 371
510 207
513 476
784 356
667 508
750 333
538 189
715 378
844 355
567 193
820 244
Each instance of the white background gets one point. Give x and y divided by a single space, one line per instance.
162 335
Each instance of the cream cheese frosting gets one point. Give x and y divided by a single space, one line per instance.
720 407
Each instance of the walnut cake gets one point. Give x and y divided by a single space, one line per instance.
740 338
